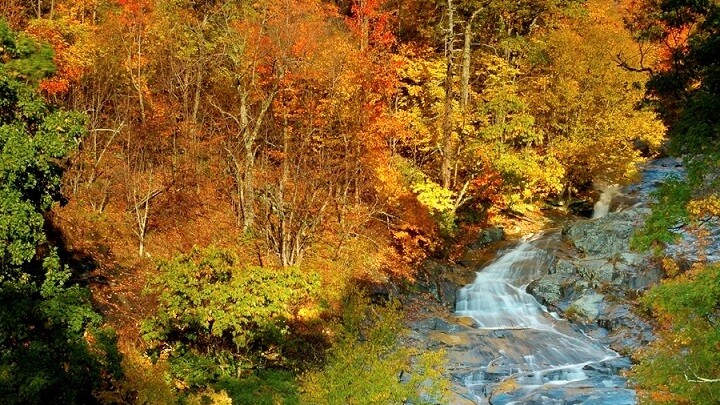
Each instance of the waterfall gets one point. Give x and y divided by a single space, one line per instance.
508 349
602 207
496 299
539 349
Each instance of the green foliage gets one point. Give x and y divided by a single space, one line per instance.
669 210
264 387
23 58
221 317
208 397
44 355
686 351
34 138
46 322
367 364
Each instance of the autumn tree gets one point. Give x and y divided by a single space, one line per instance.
588 109
683 80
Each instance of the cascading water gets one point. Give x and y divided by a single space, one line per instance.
505 348
538 351
602 207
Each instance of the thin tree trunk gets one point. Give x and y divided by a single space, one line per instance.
465 78
448 144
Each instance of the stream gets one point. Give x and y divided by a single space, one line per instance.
532 355
504 347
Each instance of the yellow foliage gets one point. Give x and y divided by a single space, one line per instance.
708 206
210 397
143 382
589 106
670 266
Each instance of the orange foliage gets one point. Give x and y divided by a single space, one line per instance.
135 10
371 23
14 12
674 39
70 53
487 191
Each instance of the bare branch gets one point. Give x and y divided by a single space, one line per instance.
621 62
702 380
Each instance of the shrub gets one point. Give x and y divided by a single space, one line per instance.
368 365
220 317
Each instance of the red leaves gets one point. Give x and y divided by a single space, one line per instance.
69 55
371 24
135 10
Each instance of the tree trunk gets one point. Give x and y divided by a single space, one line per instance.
448 144
465 78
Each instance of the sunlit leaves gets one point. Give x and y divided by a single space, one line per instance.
211 302
367 365
672 368
588 107
72 46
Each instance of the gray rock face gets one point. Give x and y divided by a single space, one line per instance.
590 282
548 289
597 271
607 235
564 267
588 307
590 278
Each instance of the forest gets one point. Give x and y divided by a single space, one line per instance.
200 199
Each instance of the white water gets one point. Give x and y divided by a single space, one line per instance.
602 207
496 300
547 351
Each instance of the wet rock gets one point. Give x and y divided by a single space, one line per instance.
449 339
447 293
608 235
630 335
598 333
435 324
442 281
488 236
460 399
466 321
547 290
623 202
445 326
618 364
588 307
582 208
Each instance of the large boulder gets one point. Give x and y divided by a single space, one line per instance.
548 289
564 267
608 235
588 307
596 271
488 236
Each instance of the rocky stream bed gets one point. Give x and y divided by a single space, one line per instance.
550 320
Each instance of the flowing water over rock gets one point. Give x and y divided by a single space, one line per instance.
602 207
524 354
506 343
